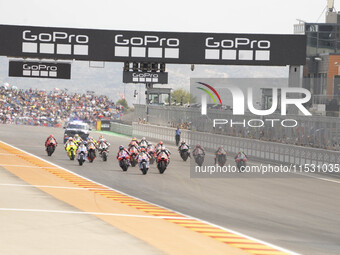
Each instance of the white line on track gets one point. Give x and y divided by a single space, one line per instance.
184 215
92 213
319 178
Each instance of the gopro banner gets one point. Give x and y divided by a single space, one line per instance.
145 77
160 47
39 70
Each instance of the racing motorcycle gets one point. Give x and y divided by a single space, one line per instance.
50 147
199 157
71 150
184 152
241 163
81 154
143 162
133 156
91 155
123 159
152 152
143 144
221 159
103 151
162 162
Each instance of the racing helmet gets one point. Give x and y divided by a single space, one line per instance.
160 143
121 147
76 136
142 149
134 139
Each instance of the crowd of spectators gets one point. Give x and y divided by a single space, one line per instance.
39 107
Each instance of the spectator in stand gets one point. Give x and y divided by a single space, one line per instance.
38 107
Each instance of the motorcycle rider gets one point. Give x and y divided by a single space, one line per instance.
134 140
81 147
50 138
143 143
77 139
151 147
66 137
140 156
159 146
70 142
133 143
184 146
91 140
166 151
220 151
122 151
102 141
241 155
196 150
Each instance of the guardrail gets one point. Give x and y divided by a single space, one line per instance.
255 149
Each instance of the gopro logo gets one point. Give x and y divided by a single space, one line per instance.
149 46
40 70
61 43
145 77
237 49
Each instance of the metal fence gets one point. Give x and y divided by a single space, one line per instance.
255 149
312 131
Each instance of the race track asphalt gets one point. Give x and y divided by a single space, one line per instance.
299 214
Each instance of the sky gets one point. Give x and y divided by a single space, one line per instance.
220 16
225 16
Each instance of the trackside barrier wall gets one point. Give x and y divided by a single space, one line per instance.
121 128
314 131
255 149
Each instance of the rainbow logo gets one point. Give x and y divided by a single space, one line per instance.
209 93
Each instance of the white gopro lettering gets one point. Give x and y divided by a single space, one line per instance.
146 40
210 42
27 35
39 67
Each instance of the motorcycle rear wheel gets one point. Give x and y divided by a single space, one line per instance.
104 156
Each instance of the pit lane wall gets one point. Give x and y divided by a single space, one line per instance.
255 149
121 128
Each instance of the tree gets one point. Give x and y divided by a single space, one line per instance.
182 96
123 103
